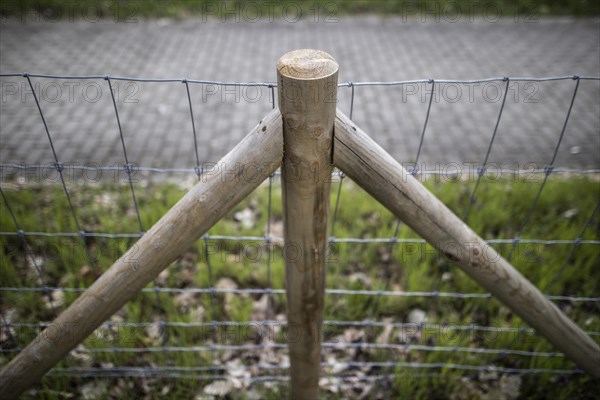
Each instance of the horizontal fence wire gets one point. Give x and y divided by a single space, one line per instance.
133 168
326 345
213 290
9 169
412 327
276 239
159 372
404 326
274 84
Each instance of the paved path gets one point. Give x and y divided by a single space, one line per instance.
155 116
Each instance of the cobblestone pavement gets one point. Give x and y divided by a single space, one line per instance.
156 121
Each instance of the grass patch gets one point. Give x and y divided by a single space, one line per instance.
291 10
151 320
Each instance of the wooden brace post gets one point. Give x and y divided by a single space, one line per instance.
257 156
358 156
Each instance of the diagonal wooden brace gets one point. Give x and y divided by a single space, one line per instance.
256 157
363 160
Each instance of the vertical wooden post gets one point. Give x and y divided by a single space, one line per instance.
307 88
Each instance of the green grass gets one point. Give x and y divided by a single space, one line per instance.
563 209
318 10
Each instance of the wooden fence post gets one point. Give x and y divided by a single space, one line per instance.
307 89
257 156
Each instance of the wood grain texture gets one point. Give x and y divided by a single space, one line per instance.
358 156
307 88
236 175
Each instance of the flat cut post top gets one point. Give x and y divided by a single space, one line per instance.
307 64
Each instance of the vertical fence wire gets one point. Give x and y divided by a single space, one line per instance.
482 167
415 168
394 239
351 100
129 169
341 176
128 166
336 207
272 95
268 239
189 97
59 168
548 170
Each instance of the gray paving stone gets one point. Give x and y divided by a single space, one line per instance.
155 116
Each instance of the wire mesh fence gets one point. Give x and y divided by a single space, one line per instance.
239 334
